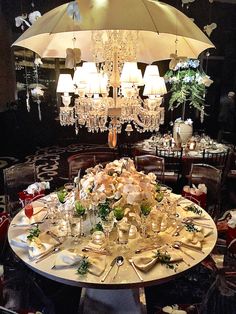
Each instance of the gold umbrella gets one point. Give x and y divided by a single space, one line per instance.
162 29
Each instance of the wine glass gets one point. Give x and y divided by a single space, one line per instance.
107 225
145 211
29 210
80 212
69 186
61 194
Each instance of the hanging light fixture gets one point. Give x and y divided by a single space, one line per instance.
108 92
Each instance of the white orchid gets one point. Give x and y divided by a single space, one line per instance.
33 16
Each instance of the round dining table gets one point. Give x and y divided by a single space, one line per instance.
128 276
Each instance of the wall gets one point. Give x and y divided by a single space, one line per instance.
7 75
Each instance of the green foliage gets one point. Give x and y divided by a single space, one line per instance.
83 266
164 259
118 213
33 233
61 194
194 209
97 227
145 209
79 208
188 85
104 209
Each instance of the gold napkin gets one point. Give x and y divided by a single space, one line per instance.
97 264
146 261
40 245
67 258
36 247
195 238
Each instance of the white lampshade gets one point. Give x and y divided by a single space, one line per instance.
65 84
155 86
139 78
79 76
130 73
89 67
97 84
151 70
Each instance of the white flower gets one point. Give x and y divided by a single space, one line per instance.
37 91
38 61
20 20
188 121
33 16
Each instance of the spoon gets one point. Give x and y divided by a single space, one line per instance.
190 247
119 262
191 220
178 247
54 250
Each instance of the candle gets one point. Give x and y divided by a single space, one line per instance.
98 237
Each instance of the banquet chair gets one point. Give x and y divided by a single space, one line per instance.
16 179
78 163
173 164
105 157
211 177
151 163
216 159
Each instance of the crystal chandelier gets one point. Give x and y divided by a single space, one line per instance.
107 93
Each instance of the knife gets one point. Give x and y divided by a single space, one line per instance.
109 269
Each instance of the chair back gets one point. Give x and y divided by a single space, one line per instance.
151 163
216 159
105 157
78 163
211 177
173 163
16 179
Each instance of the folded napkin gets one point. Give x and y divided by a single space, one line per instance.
146 261
20 241
67 258
36 247
195 239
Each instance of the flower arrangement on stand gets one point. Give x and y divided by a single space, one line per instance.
188 85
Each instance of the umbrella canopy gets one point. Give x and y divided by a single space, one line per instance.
162 29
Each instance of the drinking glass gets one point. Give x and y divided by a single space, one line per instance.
29 210
69 186
123 229
107 226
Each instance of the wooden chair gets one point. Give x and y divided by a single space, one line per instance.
211 177
151 163
78 163
173 164
105 157
16 179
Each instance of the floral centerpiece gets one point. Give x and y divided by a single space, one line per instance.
188 85
118 186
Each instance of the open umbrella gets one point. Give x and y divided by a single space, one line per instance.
162 29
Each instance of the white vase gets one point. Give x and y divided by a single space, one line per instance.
182 132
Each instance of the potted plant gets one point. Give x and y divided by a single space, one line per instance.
187 87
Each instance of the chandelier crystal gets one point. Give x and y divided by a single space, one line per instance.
107 93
